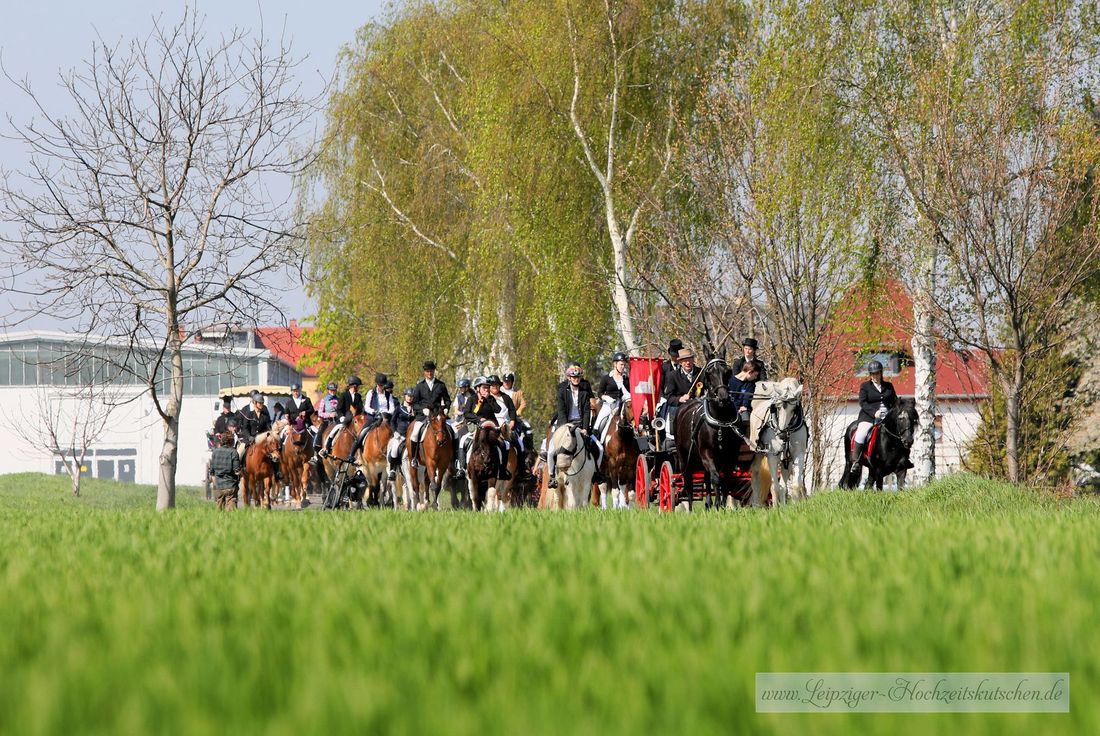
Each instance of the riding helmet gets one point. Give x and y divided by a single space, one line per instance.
429 365
464 383
331 386
574 370
354 381
258 398
233 422
493 380
874 367
618 356
379 379
295 387
480 381
389 385
410 392
509 377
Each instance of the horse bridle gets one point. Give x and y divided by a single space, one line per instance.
798 421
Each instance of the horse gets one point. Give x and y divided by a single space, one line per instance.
890 450
707 437
620 455
260 464
375 465
575 468
294 462
482 468
782 440
437 453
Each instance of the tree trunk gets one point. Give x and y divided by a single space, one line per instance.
1012 421
166 486
74 475
619 296
924 368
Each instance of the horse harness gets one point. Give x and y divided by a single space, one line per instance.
784 434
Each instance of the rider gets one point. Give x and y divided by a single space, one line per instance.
299 409
484 408
349 404
681 383
573 406
748 348
462 397
327 414
613 388
515 394
876 398
402 418
431 395
506 414
221 424
379 401
256 419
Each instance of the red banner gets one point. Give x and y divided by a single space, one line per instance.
645 386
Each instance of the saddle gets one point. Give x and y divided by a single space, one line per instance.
869 447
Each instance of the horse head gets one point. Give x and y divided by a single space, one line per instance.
438 422
786 402
716 377
905 421
270 448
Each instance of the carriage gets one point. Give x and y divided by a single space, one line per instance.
658 478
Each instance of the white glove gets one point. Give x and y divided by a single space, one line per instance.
881 413
608 399
426 412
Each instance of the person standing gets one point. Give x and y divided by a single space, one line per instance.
225 472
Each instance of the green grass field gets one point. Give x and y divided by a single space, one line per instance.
114 619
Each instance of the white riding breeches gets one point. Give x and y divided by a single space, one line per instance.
862 430
393 449
603 419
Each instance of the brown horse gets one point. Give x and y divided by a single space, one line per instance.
481 470
258 477
297 451
620 457
373 457
436 454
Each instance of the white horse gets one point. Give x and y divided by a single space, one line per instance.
778 429
574 471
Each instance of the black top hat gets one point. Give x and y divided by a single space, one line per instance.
750 342
429 365
674 346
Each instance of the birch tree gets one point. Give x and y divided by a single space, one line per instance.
151 204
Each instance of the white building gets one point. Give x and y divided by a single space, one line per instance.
42 379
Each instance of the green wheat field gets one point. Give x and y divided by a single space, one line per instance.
114 619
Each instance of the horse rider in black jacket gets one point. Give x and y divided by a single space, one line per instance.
483 408
876 398
681 385
299 409
574 406
748 347
431 395
402 419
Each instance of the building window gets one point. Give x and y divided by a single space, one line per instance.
891 363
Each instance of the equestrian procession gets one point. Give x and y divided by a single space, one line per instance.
671 432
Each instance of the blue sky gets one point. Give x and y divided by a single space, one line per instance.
40 37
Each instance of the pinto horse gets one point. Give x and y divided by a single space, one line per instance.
258 477
890 450
620 454
375 465
297 451
707 437
437 453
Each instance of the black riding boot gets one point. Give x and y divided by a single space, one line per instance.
502 465
395 465
857 452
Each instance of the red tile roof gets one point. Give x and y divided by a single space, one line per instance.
881 320
290 344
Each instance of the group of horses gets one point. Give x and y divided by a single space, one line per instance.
711 444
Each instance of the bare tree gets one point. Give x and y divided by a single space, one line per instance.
67 421
151 206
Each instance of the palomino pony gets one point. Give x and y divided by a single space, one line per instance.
890 453
620 455
575 468
375 464
437 453
778 421
297 451
707 437
260 464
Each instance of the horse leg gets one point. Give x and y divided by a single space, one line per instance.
900 475
780 478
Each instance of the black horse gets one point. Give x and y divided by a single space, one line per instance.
705 434
891 451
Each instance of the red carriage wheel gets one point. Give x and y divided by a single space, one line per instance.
643 484
666 495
